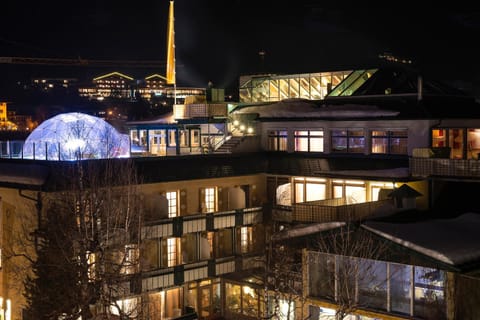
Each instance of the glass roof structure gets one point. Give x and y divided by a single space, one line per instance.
351 83
271 88
75 136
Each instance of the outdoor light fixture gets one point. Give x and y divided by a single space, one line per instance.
235 123
242 127
250 130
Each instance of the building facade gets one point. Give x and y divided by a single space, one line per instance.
217 219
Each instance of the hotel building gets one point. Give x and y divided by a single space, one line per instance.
228 188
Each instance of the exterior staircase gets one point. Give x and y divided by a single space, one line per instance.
228 145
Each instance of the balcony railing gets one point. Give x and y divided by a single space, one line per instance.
200 110
177 226
335 210
425 167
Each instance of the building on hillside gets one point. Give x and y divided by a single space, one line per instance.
287 171
152 88
49 84
5 123
114 85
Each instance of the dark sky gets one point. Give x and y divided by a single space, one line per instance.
220 40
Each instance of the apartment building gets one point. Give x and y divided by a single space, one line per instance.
227 189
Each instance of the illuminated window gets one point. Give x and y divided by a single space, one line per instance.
131 259
172 250
439 138
210 242
91 266
127 306
183 138
353 191
195 137
277 140
344 140
309 189
209 201
171 138
172 197
390 141
309 140
246 239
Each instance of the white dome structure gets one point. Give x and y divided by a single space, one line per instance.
75 136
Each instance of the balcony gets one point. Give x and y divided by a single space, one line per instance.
200 110
425 167
330 210
177 226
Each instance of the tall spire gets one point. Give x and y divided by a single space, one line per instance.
170 47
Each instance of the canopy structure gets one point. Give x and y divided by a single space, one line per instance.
75 136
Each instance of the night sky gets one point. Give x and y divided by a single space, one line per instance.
220 40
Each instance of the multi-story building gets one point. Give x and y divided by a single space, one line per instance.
227 189
122 86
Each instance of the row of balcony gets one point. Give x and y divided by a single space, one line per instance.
177 226
161 278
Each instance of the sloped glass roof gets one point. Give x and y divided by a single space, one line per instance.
351 83
75 136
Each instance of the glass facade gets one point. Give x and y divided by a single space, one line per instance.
378 285
463 143
313 86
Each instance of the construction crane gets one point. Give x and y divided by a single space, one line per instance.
84 62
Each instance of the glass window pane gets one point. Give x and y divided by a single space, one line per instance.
429 293
400 288
299 192
301 144
339 144
321 269
379 145
315 191
372 284
232 297
316 144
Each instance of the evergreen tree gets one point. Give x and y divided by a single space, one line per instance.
52 290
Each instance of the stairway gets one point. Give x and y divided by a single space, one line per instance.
229 144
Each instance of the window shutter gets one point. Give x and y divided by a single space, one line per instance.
163 253
201 201
182 210
222 199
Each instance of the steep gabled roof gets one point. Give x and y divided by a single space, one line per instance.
112 74
155 75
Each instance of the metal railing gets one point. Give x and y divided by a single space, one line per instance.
335 210
425 167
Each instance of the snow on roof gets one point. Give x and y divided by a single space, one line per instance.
28 174
301 108
452 241
306 230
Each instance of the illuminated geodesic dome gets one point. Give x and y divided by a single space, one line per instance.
73 136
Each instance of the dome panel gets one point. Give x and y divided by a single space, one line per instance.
73 136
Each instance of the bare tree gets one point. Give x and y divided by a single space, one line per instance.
345 270
90 234
284 279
